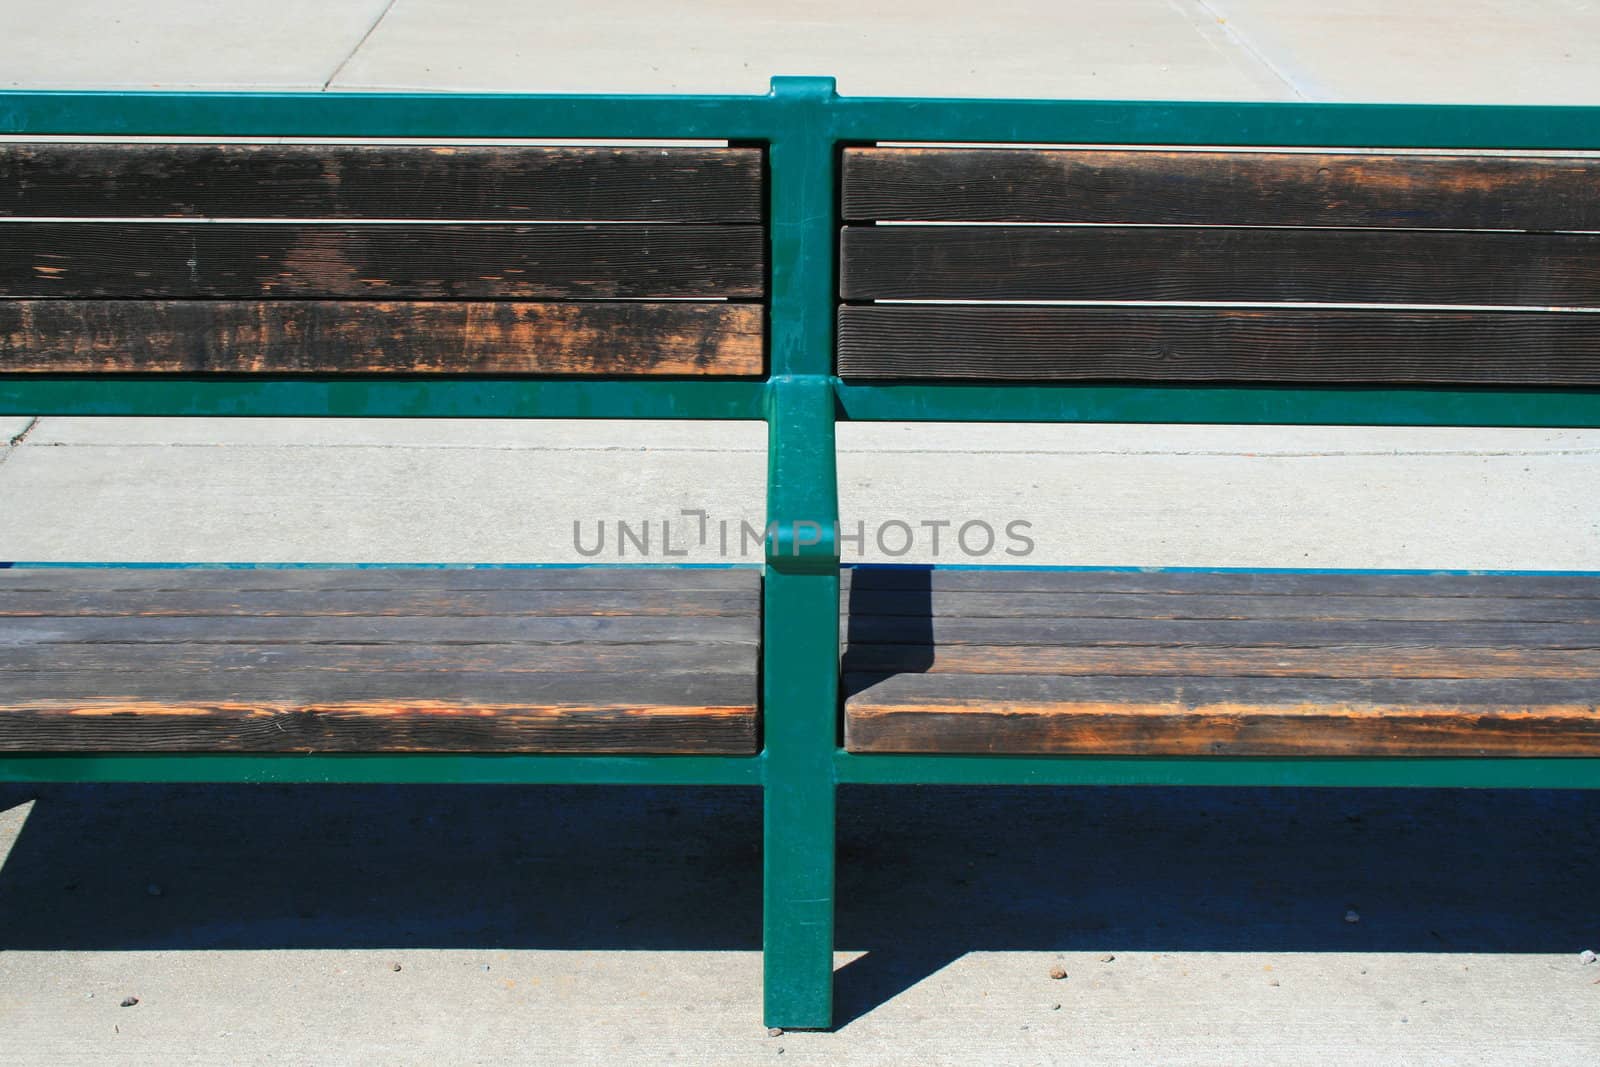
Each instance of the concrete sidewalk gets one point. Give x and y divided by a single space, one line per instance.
588 925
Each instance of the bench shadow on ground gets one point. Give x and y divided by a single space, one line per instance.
925 874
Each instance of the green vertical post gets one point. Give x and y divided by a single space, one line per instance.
800 680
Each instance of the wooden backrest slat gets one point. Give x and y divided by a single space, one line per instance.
1214 266
1518 192
313 181
381 259
1233 264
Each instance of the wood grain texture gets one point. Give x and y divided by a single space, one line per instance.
338 337
371 663
308 261
1235 717
1222 188
383 603
1227 663
1307 607
352 580
1218 264
1207 582
381 181
1288 345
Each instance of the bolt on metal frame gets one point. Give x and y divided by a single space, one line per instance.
803 125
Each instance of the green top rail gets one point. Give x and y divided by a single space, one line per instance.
769 116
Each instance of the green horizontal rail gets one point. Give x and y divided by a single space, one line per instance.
456 398
1243 405
365 115
411 768
755 117
1263 124
1380 772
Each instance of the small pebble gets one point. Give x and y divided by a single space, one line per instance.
1351 916
394 966
153 889
486 966
1058 972
1586 956
128 1002
1273 982
1055 1007
775 1031
1107 958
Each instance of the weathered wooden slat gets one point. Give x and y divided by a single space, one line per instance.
1207 716
1311 608
407 580
415 724
1225 663
614 629
258 604
381 181
286 685
315 261
1257 633
334 337
650 658
1353 661
997 343
370 662
1212 582
1226 188
1218 264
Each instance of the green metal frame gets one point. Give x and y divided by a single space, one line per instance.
803 125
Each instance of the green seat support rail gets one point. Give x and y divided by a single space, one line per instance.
804 130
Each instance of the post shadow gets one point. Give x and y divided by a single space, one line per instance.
888 624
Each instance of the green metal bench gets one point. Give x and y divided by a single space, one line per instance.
818 726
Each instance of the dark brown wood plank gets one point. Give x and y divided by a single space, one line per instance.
997 343
373 724
1350 661
1213 582
518 604
613 629
332 337
370 662
381 181
1218 264
312 261
1222 188
1309 608
1255 633
409 580
173 660
1207 716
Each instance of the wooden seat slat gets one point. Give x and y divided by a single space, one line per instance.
1173 681
383 669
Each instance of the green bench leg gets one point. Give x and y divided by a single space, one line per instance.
802 612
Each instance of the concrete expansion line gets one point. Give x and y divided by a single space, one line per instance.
17 439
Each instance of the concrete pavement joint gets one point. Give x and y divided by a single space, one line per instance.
16 439
1249 48
364 37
